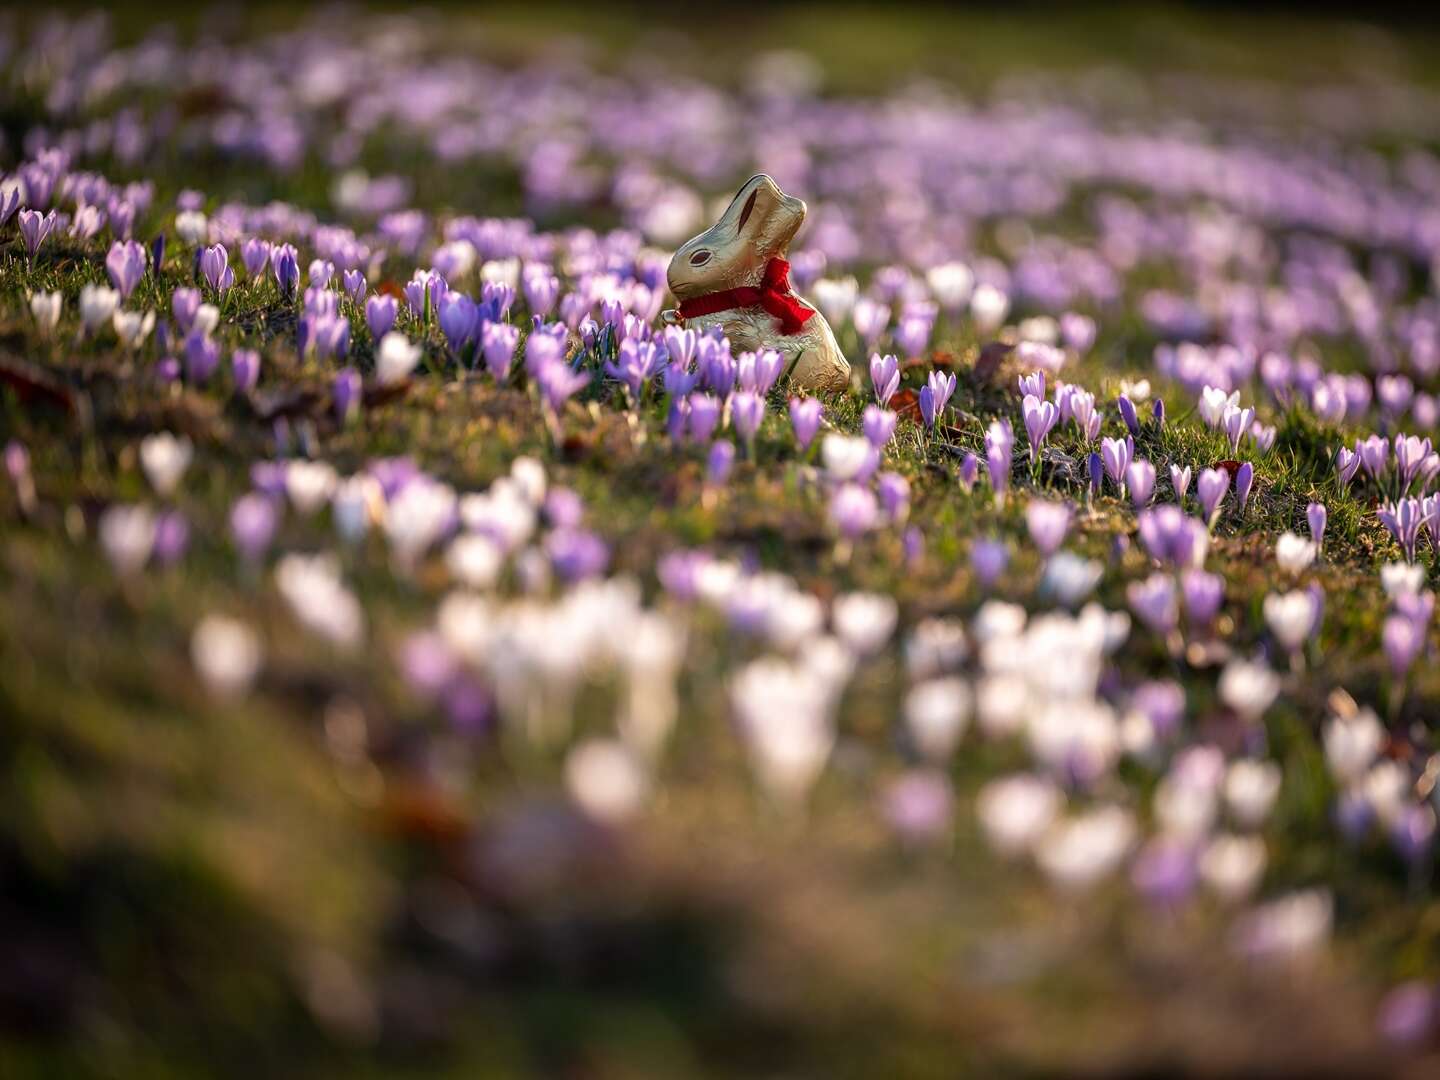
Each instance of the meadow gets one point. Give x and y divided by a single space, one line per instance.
419 658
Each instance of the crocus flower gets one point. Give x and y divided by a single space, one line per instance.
878 425
969 471
345 394
1040 416
1403 519
254 256
884 377
1033 385
935 395
1180 482
988 559
1316 516
747 410
1116 455
380 312
126 266
1244 478
1154 603
35 227
1140 477
1211 489
245 369
215 266
719 462
805 416
703 416
894 492
285 263
1402 639
1346 464
202 356
854 511
1126 408
1048 523
1203 593
497 344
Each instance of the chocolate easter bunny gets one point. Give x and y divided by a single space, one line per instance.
734 275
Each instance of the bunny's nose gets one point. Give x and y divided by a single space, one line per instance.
700 258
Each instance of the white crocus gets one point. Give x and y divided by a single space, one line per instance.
395 359
1230 866
127 533
845 456
864 621
475 560
97 306
1290 617
1294 553
1015 811
1076 854
226 653
310 484
605 780
1352 743
192 226
935 715
133 327
1251 788
988 307
165 457
45 309
1248 687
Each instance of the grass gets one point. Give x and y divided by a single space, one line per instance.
287 905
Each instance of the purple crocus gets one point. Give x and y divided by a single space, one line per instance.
355 285
805 416
1211 489
1048 523
459 319
1153 601
1244 478
255 256
747 410
1126 408
497 344
1346 464
215 266
1316 516
252 524
1403 519
172 538
1374 456
285 263
245 369
1116 454
1033 385
884 376
878 425
1140 478
703 412
126 266
202 356
380 313
999 450
1402 638
969 471
988 559
1171 536
576 554
345 394
35 227
894 492
719 463
935 395
559 382
1040 416
1203 593
1180 481
853 510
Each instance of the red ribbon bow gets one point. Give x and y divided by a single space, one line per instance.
773 294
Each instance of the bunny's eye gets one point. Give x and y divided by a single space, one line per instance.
700 258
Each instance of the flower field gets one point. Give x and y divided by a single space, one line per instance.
423 651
